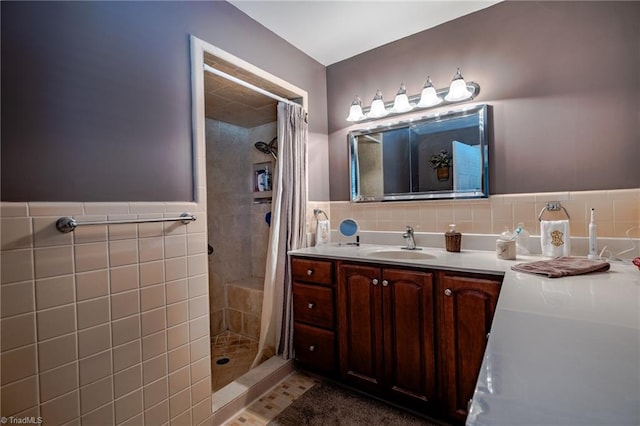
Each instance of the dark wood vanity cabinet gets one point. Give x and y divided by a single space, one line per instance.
411 336
386 334
466 303
314 314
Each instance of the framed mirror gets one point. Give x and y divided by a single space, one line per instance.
434 157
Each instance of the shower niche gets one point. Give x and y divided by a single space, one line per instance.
263 171
262 181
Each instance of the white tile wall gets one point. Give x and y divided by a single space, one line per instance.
616 212
108 324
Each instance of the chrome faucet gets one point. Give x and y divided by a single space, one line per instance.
411 242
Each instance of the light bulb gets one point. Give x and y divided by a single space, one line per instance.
429 96
458 89
401 102
377 107
355 112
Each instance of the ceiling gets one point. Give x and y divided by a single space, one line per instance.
232 103
331 31
327 31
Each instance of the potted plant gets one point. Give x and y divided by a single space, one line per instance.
441 163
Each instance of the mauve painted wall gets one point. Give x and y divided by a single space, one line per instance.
96 102
563 78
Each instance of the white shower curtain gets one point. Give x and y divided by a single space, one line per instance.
288 217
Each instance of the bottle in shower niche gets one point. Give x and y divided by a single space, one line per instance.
267 179
260 180
262 177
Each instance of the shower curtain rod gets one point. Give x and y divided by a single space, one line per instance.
248 85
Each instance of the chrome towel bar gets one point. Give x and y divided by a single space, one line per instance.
69 224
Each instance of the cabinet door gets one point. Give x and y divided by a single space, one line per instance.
408 315
468 305
360 326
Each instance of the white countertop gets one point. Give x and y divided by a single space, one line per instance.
562 351
466 260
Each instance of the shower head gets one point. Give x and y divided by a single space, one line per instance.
268 148
262 147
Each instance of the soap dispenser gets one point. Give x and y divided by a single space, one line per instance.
453 239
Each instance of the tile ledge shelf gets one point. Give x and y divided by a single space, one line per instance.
487 242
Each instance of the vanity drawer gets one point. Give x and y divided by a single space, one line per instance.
311 270
315 347
313 304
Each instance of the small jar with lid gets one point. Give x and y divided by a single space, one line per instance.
452 239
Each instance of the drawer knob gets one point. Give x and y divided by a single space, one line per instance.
447 292
309 272
385 283
312 348
374 281
311 305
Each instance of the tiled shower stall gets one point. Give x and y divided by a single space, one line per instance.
239 235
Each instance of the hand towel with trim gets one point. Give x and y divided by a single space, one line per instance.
555 238
562 266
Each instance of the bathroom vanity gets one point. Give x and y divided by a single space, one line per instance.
408 334
462 338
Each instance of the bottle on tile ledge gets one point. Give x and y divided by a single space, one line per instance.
522 237
452 239
593 236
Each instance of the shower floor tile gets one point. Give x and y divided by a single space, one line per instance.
240 351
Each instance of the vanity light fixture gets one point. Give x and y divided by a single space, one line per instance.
458 89
355 112
429 97
378 110
401 102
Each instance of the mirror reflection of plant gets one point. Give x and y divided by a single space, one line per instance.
440 160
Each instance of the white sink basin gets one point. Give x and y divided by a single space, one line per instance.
401 254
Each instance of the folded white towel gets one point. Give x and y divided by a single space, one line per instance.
322 233
555 238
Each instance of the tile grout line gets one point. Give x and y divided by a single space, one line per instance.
35 309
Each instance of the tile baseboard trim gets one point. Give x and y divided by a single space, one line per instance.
231 399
